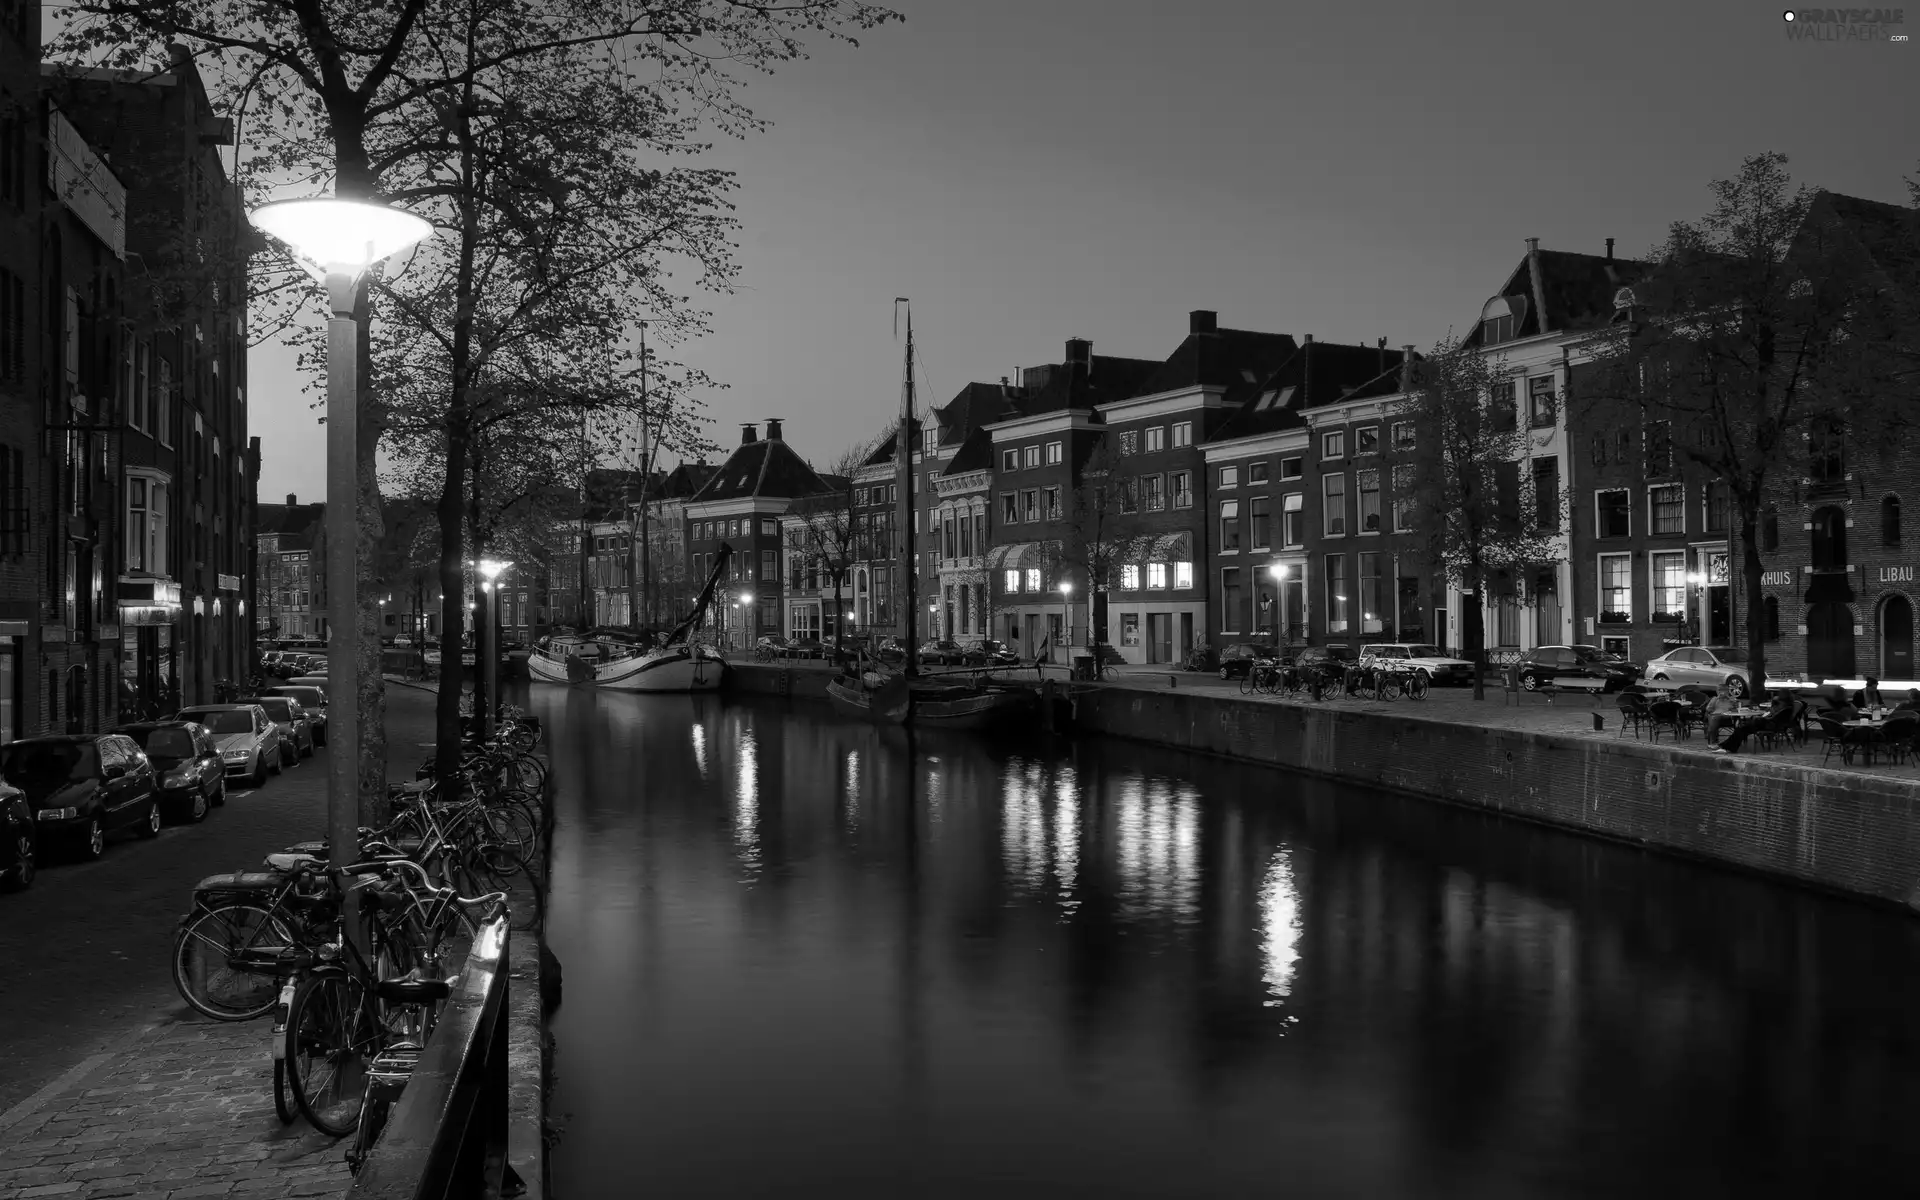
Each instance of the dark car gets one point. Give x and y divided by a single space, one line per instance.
313 700
807 648
186 766
1238 658
991 653
83 787
1539 666
1323 657
771 646
19 848
296 731
944 653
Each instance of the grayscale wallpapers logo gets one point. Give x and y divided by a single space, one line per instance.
1845 24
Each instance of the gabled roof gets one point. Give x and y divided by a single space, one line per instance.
974 454
1888 234
767 468
1108 378
1577 291
684 480
975 406
1219 358
292 522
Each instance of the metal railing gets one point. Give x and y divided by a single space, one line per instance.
447 1135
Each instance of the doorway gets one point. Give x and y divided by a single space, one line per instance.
1719 625
1830 640
1896 638
1159 637
1186 636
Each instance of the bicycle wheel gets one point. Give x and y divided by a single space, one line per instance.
1417 687
330 1038
523 738
203 952
513 826
1247 684
529 774
283 1106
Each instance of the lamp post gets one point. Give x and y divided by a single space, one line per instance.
745 605
338 241
1066 615
490 572
1279 573
1689 622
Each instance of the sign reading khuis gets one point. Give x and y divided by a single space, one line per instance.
1777 578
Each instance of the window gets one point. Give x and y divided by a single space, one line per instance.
1613 514
1230 600
1009 460
1500 405
1033 579
1616 588
1156 438
1257 471
1770 616
1260 521
1293 523
949 539
1130 577
1333 445
1498 320
1659 440
769 527
1770 529
1010 582
1051 498
1714 507
1402 498
1372 594
1129 629
147 524
1333 495
14 510
1183 575
1336 593
1009 509
1403 435
136 524
769 565
1541 409
1229 526
1130 442
163 405
1366 440
1180 489
1153 492
1827 453
1157 575
1369 487
929 441
1668 574
1622 447
1229 477
1669 510
1053 454
1546 494
1291 468
1890 521
1031 456
1182 434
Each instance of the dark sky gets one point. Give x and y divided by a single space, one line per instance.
1033 170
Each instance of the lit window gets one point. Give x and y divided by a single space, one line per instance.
1293 523
1033 579
1333 491
1130 578
1669 578
1183 575
1010 582
1616 588
1157 575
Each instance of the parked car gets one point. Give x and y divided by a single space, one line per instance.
807 648
771 646
296 731
317 681
942 652
1708 666
1317 657
1436 664
84 787
889 650
1238 658
313 702
186 766
991 653
19 847
249 743
1541 664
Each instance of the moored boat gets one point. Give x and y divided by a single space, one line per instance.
617 661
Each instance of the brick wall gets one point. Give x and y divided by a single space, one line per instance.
1846 833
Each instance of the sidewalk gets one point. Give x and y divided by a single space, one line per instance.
182 1107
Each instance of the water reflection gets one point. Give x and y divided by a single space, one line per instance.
1076 981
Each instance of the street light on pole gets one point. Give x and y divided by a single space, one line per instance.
1066 612
490 572
338 241
1279 573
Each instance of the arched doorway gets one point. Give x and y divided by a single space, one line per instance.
1896 638
1830 640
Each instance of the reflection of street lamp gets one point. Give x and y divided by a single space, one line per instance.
337 241
490 571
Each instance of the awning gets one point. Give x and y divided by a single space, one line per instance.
1014 557
1171 548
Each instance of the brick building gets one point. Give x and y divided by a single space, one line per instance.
742 506
25 481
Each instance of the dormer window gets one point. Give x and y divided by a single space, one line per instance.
1500 319
929 441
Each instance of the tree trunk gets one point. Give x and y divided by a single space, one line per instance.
452 510
1750 572
1473 628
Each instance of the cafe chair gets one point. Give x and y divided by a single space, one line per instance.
1668 715
1633 713
1779 730
1833 740
1897 737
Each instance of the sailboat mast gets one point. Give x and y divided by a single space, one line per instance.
903 511
646 499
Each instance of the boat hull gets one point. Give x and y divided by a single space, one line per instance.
979 710
662 671
883 707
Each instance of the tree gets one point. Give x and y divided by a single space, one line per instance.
1102 533
1760 335
1464 487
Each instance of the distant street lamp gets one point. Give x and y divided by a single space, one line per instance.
338 241
1279 573
1066 611
490 571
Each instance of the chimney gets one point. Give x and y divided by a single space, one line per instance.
1079 352
773 429
1539 285
1202 320
1609 249
1306 371
1381 346
292 499
1406 368
746 433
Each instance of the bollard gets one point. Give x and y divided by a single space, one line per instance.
1599 722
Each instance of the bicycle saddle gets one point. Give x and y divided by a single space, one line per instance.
242 881
291 860
414 788
412 991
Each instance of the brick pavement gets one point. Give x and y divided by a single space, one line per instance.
180 1107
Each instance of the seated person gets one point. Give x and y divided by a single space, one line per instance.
1720 712
1781 703
1869 696
1844 711
1911 703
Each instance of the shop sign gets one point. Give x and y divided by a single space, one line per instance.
228 583
1777 578
1717 568
1896 574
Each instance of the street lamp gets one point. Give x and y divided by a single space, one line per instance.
1279 573
490 571
1066 610
338 241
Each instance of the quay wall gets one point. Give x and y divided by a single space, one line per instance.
1836 831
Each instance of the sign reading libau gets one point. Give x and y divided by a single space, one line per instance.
1896 574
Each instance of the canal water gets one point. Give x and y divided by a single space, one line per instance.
810 958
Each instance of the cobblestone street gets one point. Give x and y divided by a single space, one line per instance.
143 1097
